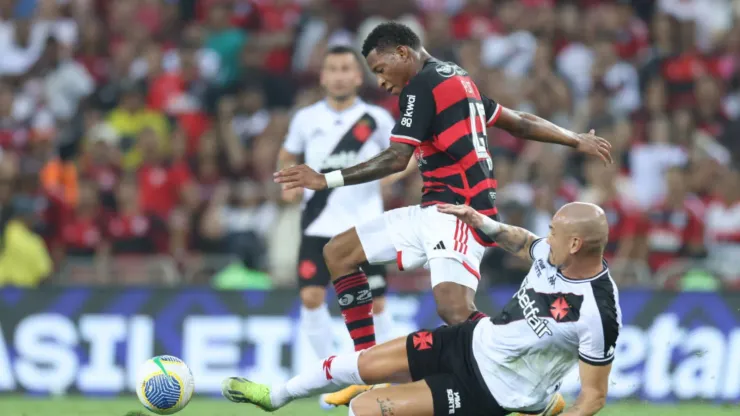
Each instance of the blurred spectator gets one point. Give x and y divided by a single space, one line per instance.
723 228
240 219
82 229
163 183
650 160
100 161
131 119
66 82
251 117
674 225
226 41
130 229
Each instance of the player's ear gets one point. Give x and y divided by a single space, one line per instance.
575 245
403 51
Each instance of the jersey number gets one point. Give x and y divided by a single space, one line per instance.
480 141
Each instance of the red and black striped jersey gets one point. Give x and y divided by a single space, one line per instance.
445 117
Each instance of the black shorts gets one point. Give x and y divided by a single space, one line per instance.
312 270
444 359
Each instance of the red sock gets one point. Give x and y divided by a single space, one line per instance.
356 303
476 316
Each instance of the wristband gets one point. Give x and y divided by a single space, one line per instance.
334 179
490 227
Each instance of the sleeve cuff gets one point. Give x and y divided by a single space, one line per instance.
531 248
496 113
406 140
598 362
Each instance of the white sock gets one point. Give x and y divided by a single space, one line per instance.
325 376
383 326
317 324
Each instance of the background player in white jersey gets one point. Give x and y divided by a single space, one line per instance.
566 312
335 133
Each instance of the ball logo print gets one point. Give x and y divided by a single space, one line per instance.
164 385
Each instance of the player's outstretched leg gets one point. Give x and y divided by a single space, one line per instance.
344 255
384 363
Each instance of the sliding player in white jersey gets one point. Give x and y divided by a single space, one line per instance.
334 133
566 312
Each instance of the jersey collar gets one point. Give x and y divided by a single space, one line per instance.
604 271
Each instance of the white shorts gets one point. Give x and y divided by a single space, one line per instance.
411 236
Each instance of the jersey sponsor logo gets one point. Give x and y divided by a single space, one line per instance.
363 296
423 340
407 118
559 309
453 401
530 311
327 367
340 160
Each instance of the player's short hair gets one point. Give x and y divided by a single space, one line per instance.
390 35
343 49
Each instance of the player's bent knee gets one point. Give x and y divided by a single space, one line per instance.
313 297
343 253
455 303
454 314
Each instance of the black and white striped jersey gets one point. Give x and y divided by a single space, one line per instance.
550 324
331 140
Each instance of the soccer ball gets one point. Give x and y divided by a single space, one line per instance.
164 384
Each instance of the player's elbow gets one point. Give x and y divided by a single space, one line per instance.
595 400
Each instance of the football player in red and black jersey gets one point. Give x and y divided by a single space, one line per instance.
443 123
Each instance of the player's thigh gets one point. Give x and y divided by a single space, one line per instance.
376 278
312 270
414 399
449 238
385 363
394 238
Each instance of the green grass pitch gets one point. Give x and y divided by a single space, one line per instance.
77 406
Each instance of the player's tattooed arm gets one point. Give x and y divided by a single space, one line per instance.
386 407
515 240
530 127
392 160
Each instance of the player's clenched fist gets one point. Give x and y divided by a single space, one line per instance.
300 176
465 213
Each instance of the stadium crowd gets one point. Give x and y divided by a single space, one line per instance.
151 127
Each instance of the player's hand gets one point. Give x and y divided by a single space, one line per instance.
465 213
300 176
593 145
